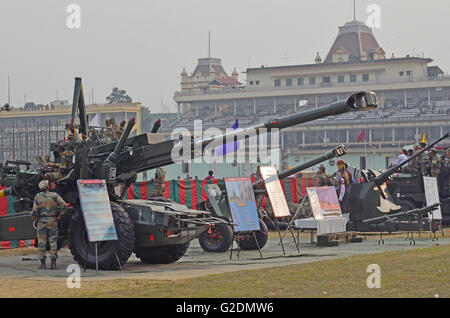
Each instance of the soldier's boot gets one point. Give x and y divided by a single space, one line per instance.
53 265
43 266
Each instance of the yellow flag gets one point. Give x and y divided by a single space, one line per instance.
424 139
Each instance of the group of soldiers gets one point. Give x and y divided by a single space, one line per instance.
430 164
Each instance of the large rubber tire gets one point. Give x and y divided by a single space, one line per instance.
80 246
161 254
262 236
218 241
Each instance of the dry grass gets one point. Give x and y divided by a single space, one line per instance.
412 273
18 251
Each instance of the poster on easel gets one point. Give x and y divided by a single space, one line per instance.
242 204
275 191
96 210
432 196
324 202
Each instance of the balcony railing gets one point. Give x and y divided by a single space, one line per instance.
318 85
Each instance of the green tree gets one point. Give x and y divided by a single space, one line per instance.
118 96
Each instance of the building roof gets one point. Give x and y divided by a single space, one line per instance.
356 38
225 81
390 60
207 65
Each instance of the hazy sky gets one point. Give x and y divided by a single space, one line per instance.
142 46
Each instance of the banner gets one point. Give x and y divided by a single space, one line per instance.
275 192
432 196
193 191
96 208
242 204
324 203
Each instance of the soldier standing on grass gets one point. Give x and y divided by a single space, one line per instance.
47 210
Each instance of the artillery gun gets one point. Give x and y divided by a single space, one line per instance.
219 237
157 230
372 200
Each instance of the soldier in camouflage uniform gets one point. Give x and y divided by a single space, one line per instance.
435 163
446 167
47 209
424 160
413 166
323 179
63 168
159 183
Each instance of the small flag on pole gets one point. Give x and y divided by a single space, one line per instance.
229 147
361 136
424 138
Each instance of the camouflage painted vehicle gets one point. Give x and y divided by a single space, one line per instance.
157 230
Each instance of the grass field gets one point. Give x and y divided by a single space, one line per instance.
412 273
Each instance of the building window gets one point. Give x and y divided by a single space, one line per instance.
365 77
289 82
277 83
312 81
401 73
352 78
251 83
341 79
257 82
326 79
300 81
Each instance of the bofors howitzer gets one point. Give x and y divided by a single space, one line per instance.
371 199
157 230
219 237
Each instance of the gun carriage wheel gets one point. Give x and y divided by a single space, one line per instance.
262 236
219 240
80 246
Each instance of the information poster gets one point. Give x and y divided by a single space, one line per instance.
324 202
96 210
276 195
432 196
242 204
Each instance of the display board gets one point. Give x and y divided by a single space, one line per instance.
432 196
242 204
275 191
324 202
96 210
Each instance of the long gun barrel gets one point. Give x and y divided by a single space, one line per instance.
424 210
362 101
115 155
160 154
383 177
336 152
